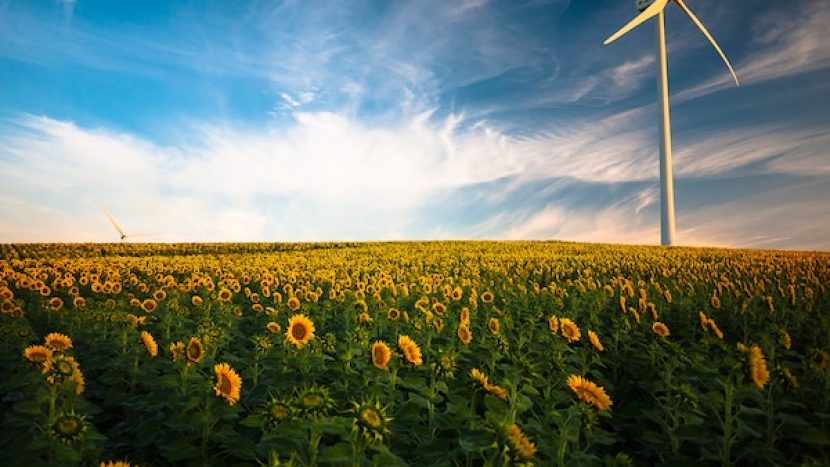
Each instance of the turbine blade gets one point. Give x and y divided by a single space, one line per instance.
652 10
114 224
705 32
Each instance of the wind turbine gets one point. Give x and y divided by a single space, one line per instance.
121 232
649 9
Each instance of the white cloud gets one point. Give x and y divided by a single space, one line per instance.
785 42
328 176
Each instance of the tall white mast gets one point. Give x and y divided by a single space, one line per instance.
666 177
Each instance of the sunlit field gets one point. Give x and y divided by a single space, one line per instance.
449 353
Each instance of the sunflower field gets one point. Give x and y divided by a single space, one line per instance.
412 353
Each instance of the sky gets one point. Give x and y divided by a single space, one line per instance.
401 120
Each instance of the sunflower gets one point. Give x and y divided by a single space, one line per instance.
410 350
364 318
149 343
371 420
381 354
195 350
487 297
570 330
758 367
79 302
703 320
176 350
115 464
278 411
224 295
819 360
67 427
715 302
464 316
294 303
479 377
660 329
149 305
594 338
273 328
497 391
315 401
159 295
37 353
457 293
494 326
553 324
393 313
520 443
464 334
228 383
196 300
713 326
300 330
60 368
55 303
786 340
58 342
589 392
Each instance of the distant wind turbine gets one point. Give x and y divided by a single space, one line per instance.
121 231
648 9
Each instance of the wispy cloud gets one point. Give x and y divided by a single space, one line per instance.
786 42
331 177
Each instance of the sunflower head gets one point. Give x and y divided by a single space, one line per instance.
294 303
273 327
381 354
553 324
487 297
67 427
410 350
758 367
371 421
315 401
60 368
58 342
278 411
594 338
464 334
176 350
195 350
228 383
300 330
38 354
520 444
149 343
149 305
569 330
660 329
493 325
393 313
589 392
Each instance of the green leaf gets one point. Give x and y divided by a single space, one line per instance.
28 407
254 421
814 435
475 441
340 453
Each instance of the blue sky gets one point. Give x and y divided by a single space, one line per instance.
361 120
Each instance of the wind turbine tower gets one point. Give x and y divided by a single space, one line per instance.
649 9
